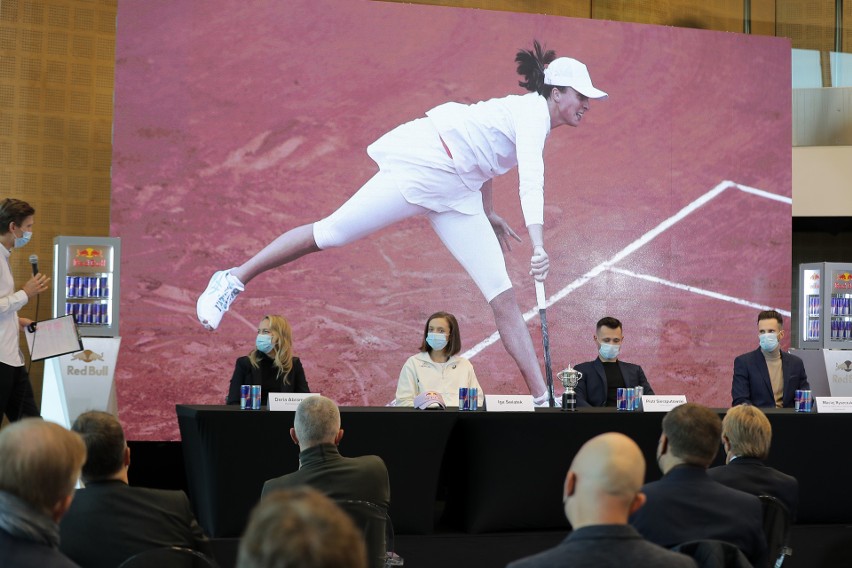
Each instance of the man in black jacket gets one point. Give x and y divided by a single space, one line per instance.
109 521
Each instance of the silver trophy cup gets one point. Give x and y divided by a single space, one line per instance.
570 379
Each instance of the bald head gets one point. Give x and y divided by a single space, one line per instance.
41 464
604 480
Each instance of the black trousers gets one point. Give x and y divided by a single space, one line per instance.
16 393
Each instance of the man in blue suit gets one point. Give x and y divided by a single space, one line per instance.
768 377
687 504
606 373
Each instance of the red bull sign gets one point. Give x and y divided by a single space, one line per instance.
89 257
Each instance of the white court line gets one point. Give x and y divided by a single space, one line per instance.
696 290
630 249
766 194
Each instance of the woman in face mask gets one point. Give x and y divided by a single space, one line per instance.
270 364
437 367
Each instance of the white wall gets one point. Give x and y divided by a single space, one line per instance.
822 181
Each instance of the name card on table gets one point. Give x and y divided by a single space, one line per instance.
287 400
662 402
833 404
509 403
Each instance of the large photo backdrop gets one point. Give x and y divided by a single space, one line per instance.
668 207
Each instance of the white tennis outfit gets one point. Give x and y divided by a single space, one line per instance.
417 177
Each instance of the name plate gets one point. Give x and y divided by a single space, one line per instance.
509 403
662 402
287 400
833 404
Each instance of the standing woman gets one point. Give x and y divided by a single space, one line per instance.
270 364
437 367
441 166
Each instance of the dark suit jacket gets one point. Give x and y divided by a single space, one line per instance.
751 382
605 546
364 478
687 504
756 478
109 521
266 375
23 553
592 388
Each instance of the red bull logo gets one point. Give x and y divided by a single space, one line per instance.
90 253
90 257
815 276
845 277
87 356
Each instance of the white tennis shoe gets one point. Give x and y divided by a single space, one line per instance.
223 288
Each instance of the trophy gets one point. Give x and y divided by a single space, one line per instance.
570 378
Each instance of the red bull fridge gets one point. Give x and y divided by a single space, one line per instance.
825 306
86 285
86 276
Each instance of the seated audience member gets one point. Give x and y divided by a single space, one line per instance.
746 436
768 377
39 468
300 528
270 364
601 490
607 373
109 521
437 367
316 430
686 504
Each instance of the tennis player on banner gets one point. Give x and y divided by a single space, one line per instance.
441 166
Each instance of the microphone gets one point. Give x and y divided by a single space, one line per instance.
34 262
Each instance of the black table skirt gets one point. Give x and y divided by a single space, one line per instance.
493 471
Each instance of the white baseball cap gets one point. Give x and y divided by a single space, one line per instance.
567 72
429 399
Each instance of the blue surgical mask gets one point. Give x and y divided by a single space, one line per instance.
263 343
608 350
436 341
21 241
769 341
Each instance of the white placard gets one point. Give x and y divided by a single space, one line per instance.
287 400
662 402
833 404
509 403
53 337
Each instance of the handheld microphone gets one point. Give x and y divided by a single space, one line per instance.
34 262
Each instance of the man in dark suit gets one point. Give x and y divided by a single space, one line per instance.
768 377
746 436
316 430
39 466
606 373
601 489
109 521
687 504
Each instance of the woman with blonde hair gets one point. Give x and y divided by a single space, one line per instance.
270 364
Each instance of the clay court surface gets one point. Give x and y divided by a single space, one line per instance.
239 121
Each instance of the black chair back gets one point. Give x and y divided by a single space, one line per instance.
714 554
776 526
169 557
375 525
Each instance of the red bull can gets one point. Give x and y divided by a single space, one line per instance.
637 400
104 314
75 311
96 314
94 287
473 395
86 314
78 287
104 286
245 397
464 398
69 309
255 397
621 399
69 287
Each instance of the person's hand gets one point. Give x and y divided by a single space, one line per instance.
539 263
503 231
36 285
24 322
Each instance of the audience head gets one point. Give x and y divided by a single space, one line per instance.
690 435
108 454
300 528
445 324
603 483
746 433
41 464
317 422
